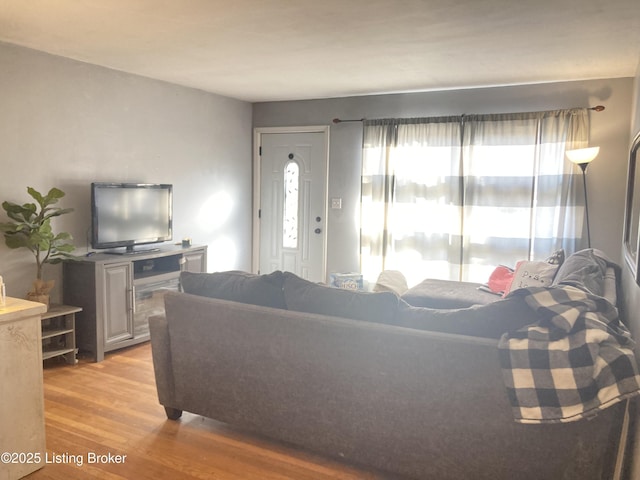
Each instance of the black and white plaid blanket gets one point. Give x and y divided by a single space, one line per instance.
574 362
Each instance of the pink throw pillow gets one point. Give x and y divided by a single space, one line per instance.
500 279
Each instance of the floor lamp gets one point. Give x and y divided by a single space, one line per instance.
583 157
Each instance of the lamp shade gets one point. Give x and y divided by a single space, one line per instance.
582 155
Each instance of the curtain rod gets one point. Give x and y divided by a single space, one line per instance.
597 108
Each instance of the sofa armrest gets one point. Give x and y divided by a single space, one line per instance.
162 364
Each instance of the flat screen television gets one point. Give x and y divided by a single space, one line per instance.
130 214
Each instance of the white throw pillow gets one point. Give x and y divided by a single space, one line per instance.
391 281
532 274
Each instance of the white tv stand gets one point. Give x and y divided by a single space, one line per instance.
118 293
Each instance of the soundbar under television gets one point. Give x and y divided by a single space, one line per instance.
130 214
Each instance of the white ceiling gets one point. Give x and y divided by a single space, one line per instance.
263 50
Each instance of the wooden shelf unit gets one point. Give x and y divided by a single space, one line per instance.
59 333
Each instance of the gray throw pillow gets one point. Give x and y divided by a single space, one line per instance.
304 296
262 290
583 270
556 258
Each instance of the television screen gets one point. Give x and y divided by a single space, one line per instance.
128 214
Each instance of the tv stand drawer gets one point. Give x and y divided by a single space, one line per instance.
151 267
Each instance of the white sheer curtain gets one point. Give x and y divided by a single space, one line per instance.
411 194
453 197
518 196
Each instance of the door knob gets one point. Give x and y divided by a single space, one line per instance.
317 230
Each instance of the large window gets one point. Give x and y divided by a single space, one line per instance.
453 197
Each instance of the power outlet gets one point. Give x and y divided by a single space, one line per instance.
336 203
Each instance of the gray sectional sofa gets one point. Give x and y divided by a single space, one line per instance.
363 377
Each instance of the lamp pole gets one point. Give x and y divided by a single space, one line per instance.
583 167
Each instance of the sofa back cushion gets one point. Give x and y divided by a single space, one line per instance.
262 290
304 296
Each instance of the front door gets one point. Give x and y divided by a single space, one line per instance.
292 205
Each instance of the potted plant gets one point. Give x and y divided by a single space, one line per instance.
31 228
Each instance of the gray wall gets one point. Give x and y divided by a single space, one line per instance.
606 176
66 124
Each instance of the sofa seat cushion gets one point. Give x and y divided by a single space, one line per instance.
262 290
304 296
490 321
448 294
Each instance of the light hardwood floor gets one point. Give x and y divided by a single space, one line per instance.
111 407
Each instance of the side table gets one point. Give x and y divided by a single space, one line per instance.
59 333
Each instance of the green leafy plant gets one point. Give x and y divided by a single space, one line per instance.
31 228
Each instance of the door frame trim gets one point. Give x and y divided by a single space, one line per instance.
257 141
